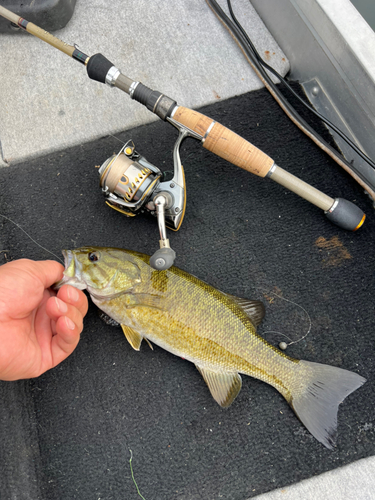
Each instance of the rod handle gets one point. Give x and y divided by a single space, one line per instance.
225 143
341 212
301 188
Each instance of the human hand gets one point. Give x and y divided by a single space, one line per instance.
38 329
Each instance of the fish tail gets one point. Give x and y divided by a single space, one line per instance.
317 396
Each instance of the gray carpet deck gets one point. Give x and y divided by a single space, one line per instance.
246 236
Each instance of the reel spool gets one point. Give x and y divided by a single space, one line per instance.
132 185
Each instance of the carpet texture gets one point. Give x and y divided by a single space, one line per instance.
68 434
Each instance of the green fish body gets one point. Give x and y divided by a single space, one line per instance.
213 330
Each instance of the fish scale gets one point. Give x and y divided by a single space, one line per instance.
217 334
213 330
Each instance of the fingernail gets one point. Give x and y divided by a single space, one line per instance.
69 323
62 307
73 294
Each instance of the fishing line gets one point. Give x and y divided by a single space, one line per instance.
32 239
284 345
117 139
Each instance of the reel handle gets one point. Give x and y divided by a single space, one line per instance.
215 137
163 258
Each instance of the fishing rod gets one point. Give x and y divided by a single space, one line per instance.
132 185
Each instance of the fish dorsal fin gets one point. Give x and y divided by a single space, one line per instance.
254 309
134 339
107 319
224 387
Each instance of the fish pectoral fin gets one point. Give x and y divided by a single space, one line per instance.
224 386
148 300
134 338
254 309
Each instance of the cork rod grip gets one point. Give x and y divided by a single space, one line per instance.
225 143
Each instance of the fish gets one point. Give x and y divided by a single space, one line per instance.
214 330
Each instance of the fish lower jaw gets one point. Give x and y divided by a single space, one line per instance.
77 283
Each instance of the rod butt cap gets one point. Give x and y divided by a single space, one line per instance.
346 215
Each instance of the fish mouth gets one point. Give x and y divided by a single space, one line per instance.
72 274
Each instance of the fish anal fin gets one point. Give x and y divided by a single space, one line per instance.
224 386
149 344
254 309
134 338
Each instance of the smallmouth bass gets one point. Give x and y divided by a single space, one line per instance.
213 330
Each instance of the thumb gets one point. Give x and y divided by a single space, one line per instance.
48 271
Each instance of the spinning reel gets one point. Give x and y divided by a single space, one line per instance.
132 185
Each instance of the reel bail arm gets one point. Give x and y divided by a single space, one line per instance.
170 199
132 185
233 148
215 137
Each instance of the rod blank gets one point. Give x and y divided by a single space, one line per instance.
215 137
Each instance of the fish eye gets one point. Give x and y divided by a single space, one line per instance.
93 256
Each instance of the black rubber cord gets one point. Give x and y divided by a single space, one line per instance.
286 84
254 59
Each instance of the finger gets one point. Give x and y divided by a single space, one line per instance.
74 297
53 327
58 326
22 283
66 339
47 271
56 308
